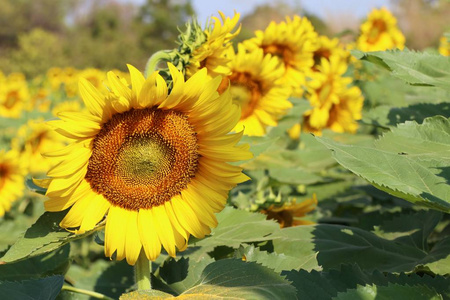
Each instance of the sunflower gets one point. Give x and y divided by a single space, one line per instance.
334 105
34 138
211 54
380 32
327 48
14 94
156 163
294 41
12 178
65 106
255 86
291 214
444 46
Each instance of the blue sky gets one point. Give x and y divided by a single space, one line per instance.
321 8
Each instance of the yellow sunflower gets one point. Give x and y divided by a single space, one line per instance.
69 77
327 48
55 78
12 177
66 106
380 32
291 214
444 46
334 105
154 162
255 86
14 95
294 41
34 138
212 53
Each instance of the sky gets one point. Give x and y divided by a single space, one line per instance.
321 8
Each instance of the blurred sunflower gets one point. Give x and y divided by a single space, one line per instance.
380 32
444 46
294 41
255 86
55 78
329 47
211 54
14 95
34 138
291 214
334 105
69 78
155 162
66 106
12 177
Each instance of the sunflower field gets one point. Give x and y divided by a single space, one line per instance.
289 165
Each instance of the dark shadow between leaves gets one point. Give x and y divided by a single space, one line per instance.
417 112
115 280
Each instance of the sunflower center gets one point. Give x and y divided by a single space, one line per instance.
283 52
142 158
246 92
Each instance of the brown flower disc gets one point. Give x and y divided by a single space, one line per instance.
143 157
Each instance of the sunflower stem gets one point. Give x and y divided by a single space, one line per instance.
142 271
154 60
85 292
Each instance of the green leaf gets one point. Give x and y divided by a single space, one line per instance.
56 262
228 278
410 228
182 274
110 278
438 260
412 162
326 285
336 245
42 237
43 288
392 291
413 67
390 116
278 262
238 226
147 295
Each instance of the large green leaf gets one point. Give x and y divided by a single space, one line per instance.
410 228
37 289
336 245
413 67
392 291
42 237
55 262
316 285
106 277
238 226
412 162
234 279
385 115
278 262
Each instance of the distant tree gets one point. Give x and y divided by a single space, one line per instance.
159 21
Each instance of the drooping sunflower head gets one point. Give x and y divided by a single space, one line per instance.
255 86
294 42
12 177
291 214
380 32
211 54
155 163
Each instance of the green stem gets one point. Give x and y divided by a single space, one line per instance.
142 269
85 292
154 60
